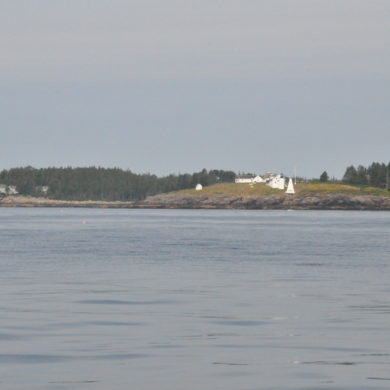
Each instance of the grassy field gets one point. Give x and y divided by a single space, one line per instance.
339 188
261 189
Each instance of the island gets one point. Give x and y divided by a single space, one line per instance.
258 196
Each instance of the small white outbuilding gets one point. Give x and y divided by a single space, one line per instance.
199 187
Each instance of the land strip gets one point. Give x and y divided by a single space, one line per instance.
237 196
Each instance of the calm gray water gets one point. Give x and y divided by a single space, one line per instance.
194 300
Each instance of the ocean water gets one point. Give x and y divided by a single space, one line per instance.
190 300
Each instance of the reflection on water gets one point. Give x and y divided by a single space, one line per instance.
175 299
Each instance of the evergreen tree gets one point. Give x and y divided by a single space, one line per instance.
324 177
350 175
362 178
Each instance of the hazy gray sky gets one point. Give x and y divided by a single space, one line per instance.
177 85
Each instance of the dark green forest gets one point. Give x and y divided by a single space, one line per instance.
375 175
111 184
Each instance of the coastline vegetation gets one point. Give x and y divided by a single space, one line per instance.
108 184
261 189
114 184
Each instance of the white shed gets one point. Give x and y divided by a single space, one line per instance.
199 187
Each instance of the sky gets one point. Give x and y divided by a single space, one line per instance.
176 86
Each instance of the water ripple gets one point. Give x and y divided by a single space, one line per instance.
122 302
240 323
39 359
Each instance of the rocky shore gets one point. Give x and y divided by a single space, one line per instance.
329 201
27 201
281 202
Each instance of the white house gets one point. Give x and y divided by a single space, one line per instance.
12 190
258 179
199 187
277 181
271 179
8 190
249 179
244 179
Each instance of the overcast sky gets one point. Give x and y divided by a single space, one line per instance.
178 85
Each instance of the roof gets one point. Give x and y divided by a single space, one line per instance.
245 176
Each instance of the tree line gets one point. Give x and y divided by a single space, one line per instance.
376 175
96 183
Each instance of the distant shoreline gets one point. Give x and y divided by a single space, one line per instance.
335 201
29 201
